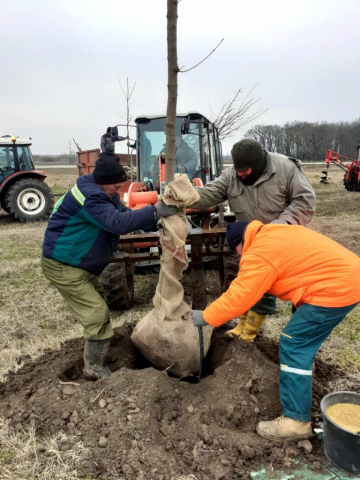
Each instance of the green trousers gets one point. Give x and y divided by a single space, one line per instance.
302 337
265 306
84 294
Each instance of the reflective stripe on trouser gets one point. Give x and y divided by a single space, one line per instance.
306 331
84 293
265 306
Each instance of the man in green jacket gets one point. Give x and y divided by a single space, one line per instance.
80 239
264 186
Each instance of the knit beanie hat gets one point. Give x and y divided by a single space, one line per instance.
108 169
248 153
234 233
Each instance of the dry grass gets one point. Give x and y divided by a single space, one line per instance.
24 457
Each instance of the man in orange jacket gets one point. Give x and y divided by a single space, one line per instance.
322 280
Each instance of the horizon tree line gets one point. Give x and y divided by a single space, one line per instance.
308 140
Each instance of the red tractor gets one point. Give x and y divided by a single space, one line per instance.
23 192
350 167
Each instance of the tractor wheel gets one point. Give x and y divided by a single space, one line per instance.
29 199
118 281
3 206
352 184
228 270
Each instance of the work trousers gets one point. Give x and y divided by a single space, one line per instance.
302 337
84 294
265 306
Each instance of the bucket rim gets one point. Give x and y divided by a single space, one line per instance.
329 419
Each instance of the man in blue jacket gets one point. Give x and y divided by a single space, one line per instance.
80 239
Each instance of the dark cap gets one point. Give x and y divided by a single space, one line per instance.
248 153
235 233
108 130
108 169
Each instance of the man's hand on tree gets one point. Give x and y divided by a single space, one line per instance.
163 210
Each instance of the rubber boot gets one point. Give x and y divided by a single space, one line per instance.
95 352
237 331
284 428
252 326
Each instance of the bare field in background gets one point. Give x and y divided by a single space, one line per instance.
33 316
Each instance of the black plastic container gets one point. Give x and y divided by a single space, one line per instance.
342 447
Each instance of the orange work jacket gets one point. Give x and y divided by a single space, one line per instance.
292 263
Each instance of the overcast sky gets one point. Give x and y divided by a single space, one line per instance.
60 61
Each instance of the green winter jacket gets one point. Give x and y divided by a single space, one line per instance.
282 192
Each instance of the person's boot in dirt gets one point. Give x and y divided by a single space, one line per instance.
252 325
237 331
248 326
95 352
284 428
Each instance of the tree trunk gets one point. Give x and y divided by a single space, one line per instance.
173 69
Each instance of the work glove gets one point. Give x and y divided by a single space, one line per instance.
162 187
197 318
280 222
163 210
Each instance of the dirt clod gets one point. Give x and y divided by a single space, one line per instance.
103 442
305 445
67 390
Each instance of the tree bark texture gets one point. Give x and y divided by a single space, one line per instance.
172 6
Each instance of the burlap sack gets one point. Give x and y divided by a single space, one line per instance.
166 335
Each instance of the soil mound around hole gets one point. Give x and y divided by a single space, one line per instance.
151 425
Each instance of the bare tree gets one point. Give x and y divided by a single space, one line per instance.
236 113
127 94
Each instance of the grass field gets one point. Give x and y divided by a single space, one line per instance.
33 316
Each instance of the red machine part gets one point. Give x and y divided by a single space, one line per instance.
332 157
138 197
352 169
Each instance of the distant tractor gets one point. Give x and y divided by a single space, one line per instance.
23 192
350 167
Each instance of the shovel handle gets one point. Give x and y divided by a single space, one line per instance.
201 344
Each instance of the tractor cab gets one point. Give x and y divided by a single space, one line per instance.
15 156
197 148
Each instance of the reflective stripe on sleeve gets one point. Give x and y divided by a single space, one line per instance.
78 195
298 371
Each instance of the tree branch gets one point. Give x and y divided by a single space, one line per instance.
192 68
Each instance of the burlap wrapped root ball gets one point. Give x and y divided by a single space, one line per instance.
166 336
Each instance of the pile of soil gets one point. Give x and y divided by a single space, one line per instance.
142 423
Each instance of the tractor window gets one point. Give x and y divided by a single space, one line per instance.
7 162
24 158
152 142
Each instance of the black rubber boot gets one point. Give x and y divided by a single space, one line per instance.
95 352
